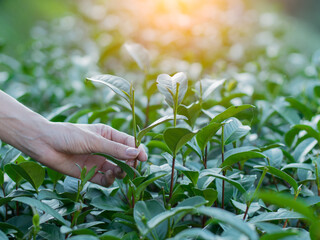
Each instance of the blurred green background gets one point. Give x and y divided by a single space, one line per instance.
18 17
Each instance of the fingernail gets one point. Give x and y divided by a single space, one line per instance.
132 152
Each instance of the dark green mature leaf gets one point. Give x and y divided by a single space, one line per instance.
289 114
210 172
234 130
42 206
187 206
119 85
139 54
284 176
13 194
279 215
304 109
299 166
303 149
164 119
240 154
130 171
294 131
229 219
11 155
230 112
288 201
175 138
192 175
275 157
83 237
3 236
150 179
194 233
145 211
168 87
9 227
54 175
280 234
206 133
30 171
108 203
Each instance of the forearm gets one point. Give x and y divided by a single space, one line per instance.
21 127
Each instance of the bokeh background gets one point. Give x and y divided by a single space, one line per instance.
47 48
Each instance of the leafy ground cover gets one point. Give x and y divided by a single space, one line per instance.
227 110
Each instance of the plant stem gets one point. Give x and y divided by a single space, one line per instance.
172 176
255 192
317 178
134 126
205 157
6 205
147 112
223 172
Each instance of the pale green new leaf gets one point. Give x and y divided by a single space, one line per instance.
119 85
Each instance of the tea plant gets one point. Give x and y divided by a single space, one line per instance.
233 149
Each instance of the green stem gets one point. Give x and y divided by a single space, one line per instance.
6 205
175 106
255 192
172 176
224 172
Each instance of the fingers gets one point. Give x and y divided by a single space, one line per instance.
118 144
108 174
122 138
115 149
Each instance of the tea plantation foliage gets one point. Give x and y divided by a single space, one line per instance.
227 110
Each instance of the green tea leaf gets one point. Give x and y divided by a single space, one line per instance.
210 172
192 175
304 109
130 171
167 86
30 171
288 201
119 85
164 119
229 219
281 214
239 155
230 112
139 54
192 112
234 130
176 138
194 233
54 175
206 133
41 206
143 212
284 176
150 179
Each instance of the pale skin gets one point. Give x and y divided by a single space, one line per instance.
61 146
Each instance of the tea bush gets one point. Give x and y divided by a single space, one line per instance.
227 110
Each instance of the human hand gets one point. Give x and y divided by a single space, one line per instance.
65 145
